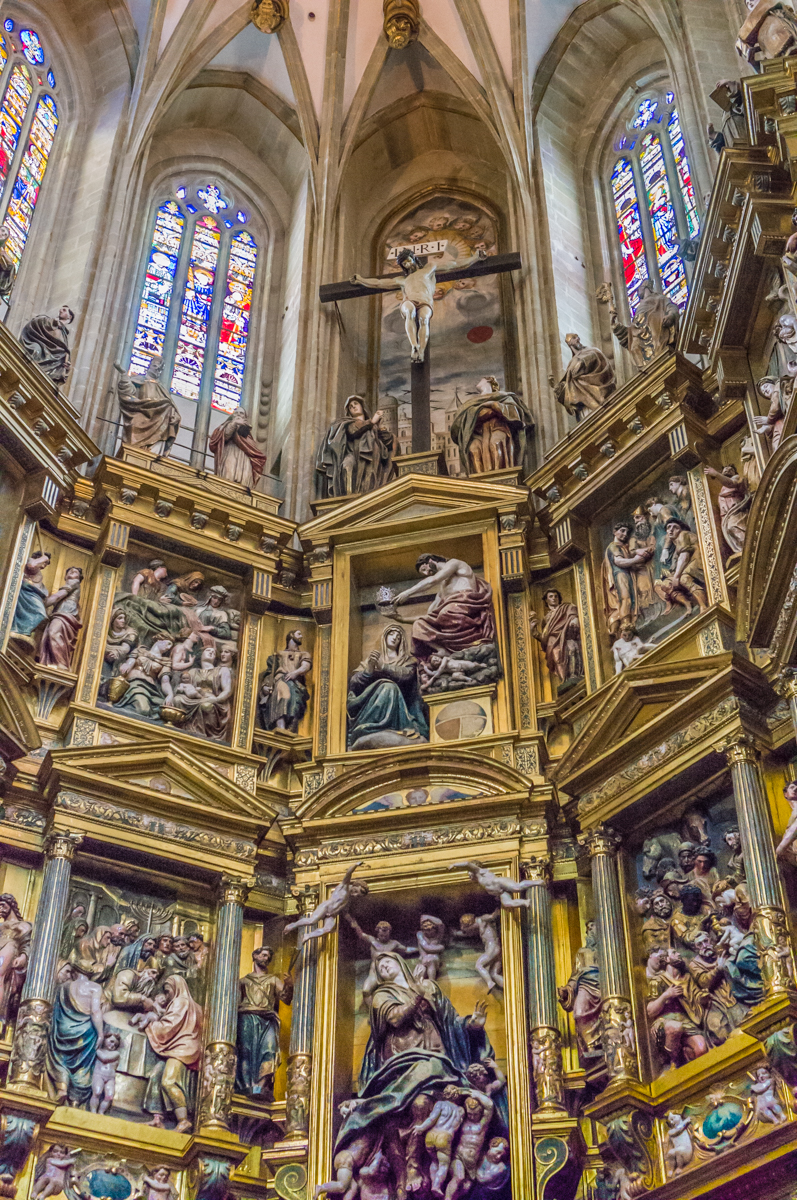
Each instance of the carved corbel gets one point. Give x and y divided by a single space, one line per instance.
402 22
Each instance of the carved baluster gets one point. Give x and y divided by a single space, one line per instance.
761 868
546 1040
26 1070
619 1040
300 1056
218 1070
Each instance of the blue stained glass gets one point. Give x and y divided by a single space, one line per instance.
228 224
51 79
32 47
645 113
242 217
684 174
629 227
231 359
195 317
670 97
8 25
156 295
3 52
191 208
180 192
662 215
27 184
12 113
212 199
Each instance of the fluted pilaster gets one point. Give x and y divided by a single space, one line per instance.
546 1041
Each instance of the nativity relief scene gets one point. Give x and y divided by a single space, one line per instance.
398 600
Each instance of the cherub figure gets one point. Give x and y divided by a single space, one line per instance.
441 1128
628 647
157 1185
493 1169
680 1150
458 669
374 1178
347 1161
431 944
478 1114
103 1079
764 1090
382 942
496 885
488 964
478 1076
329 909
53 1171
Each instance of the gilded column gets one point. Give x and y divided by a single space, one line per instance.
300 1049
760 865
619 1041
218 1069
546 1040
26 1070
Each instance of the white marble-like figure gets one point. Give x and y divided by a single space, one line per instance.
498 886
629 648
681 1149
431 944
328 910
488 964
765 1097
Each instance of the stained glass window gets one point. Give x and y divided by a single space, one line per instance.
8 25
156 295
231 359
195 317
629 227
51 79
25 191
3 52
31 47
662 216
684 173
19 90
212 198
654 198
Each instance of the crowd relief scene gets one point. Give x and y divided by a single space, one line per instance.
398 600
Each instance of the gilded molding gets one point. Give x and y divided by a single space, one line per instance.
25 818
269 16
402 24
397 843
325 638
705 524
306 898
527 758
290 1182
546 1058
786 684
247 684
590 650
661 753
97 640
111 814
521 658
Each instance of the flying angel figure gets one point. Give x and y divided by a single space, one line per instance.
327 911
498 885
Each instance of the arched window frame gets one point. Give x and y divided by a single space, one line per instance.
651 115
43 79
183 190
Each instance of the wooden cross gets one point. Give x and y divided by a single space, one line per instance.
420 374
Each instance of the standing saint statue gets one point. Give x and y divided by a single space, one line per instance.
417 286
734 502
490 429
560 638
45 340
654 325
581 996
588 381
63 625
8 268
771 28
259 1026
282 692
236 456
357 453
150 420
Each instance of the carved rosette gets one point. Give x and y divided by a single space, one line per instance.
297 1109
546 1058
402 22
772 938
619 1038
26 1070
269 15
218 1085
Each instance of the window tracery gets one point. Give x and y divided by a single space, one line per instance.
653 197
195 298
28 128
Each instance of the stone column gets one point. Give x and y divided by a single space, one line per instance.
26 1070
546 1040
300 1049
218 1069
619 1040
760 865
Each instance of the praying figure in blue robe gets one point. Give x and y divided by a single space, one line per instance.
385 706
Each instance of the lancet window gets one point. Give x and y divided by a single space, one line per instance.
28 128
653 197
194 302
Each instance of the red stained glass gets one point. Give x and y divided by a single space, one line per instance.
629 227
231 359
195 316
27 184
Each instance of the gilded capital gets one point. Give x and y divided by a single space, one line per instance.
603 841
234 890
269 15
786 684
537 869
739 748
62 845
402 22
306 897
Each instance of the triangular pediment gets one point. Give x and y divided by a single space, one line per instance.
164 776
412 498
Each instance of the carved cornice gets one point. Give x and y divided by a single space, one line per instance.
399 843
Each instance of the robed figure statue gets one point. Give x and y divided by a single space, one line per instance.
150 420
357 453
654 326
417 1077
384 705
491 429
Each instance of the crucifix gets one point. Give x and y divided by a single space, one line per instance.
417 286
